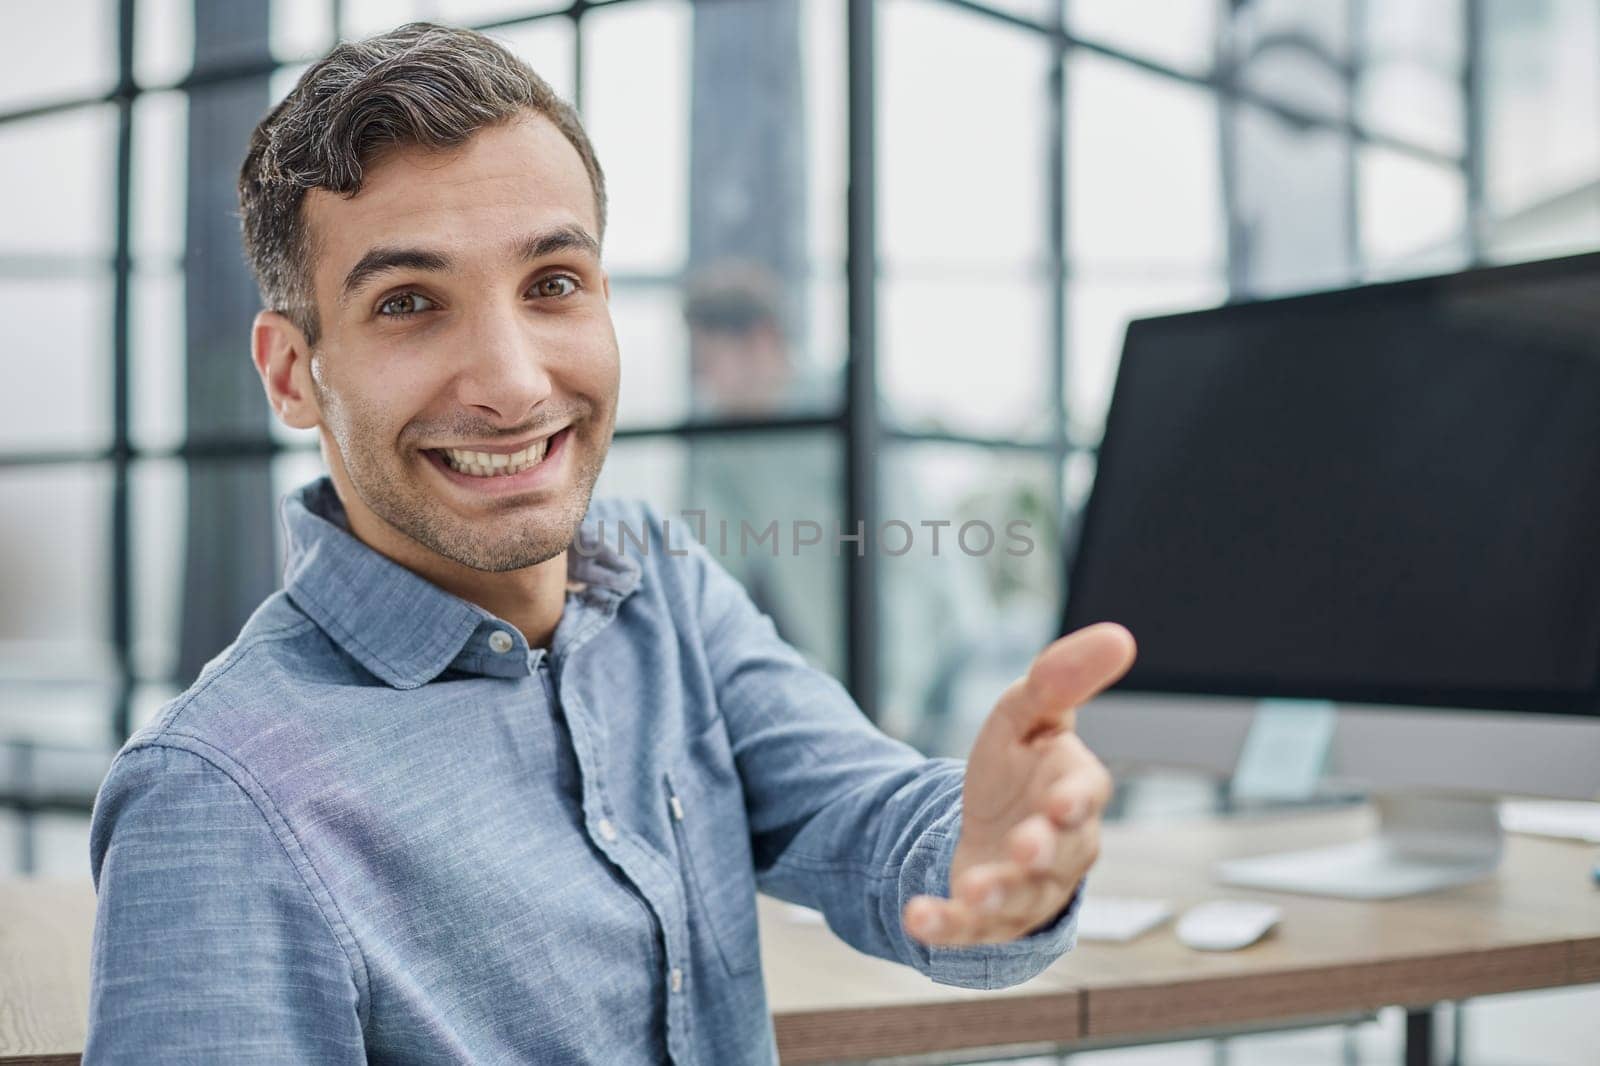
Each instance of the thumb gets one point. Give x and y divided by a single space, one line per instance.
1069 672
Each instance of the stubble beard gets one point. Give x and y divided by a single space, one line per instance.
524 535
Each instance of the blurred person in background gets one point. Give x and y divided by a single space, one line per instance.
742 366
482 782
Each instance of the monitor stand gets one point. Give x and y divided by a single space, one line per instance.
1423 843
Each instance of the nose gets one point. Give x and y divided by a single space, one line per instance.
503 371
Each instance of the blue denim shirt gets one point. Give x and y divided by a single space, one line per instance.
381 828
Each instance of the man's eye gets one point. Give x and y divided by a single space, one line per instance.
402 304
556 285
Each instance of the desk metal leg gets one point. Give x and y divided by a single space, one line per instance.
1419 1037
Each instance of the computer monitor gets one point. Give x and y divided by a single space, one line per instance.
1387 497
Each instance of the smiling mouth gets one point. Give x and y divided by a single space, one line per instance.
491 465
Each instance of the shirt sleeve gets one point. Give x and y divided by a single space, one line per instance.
843 818
208 944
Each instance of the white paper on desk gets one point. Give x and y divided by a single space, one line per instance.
1572 821
1119 918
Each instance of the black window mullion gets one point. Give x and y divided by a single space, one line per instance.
1474 160
1060 344
862 427
1354 67
121 523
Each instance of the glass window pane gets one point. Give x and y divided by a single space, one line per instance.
1040 11
474 12
290 470
63 50
160 176
1293 52
966 353
58 389
1143 177
1409 83
790 479
961 166
739 360
654 469
1416 104
301 28
55 524
62 167
281 83
1413 216
206 531
364 18
1177 32
159 495
157 388
827 129
61 841
756 478
1098 313
1294 205
548 47
1409 77
56 700
654 346
827 343
636 109
163 41
1542 72
150 700
962 620
746 320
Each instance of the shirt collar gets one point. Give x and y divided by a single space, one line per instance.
403 628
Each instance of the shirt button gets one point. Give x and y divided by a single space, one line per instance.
677 979
500 641
608 830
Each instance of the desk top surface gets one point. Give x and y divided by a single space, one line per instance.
1535 924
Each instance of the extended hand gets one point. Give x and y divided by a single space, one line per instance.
1031 803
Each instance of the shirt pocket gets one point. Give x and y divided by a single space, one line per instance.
705 804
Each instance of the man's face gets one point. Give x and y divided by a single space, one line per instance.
464 310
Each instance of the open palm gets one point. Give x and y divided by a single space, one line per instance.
1031 802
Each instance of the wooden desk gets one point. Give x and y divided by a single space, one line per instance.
45 929
1535 925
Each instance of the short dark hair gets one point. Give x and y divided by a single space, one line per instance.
735 297
420 84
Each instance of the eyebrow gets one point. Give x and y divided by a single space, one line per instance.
385 259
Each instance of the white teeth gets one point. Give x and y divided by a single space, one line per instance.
489 464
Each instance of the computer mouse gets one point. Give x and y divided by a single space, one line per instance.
1226 924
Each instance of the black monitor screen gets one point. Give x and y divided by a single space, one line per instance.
1388 494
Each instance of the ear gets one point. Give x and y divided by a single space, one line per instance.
283 359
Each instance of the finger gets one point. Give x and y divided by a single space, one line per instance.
958 924
987 885
1059 857
1013 902
1019 901
1079 796
943 922
1070 671
1031 843
1076 851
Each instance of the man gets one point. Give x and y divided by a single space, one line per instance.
469 789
